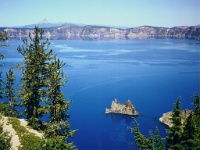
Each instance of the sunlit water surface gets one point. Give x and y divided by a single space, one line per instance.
151 73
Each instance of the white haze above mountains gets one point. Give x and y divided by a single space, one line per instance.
46 24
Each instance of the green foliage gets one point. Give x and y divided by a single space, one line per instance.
9 93
141 141
35 76
1 82
56 143
150 142
4 109
173 140
1 87
158 140
180 136
21 130
61 128
41 90
191 131
3 37
4 139
56 104
30 141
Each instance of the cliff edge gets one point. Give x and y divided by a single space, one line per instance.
127 109
166 117
88 32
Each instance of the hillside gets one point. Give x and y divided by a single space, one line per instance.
21 134
76 32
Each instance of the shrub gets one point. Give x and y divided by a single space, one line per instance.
4 139
30 141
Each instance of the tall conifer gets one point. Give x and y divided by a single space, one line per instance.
1 58
1 87
56 103
191 130
174 138
35 74
10 93
158 140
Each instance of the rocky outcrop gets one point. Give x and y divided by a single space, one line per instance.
166 117
127 109
15 138
75 32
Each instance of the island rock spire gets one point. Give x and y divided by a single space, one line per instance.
117 107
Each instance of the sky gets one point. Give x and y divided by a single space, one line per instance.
127 13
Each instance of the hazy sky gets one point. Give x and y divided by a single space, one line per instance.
167 13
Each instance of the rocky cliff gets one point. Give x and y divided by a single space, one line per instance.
166 117
127 108
75 32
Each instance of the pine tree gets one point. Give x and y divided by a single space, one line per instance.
150 143
10 93
35 75
140 141
174 138
158 140
196 103
56 104
191 130
1 87
41 90
2 36
181 136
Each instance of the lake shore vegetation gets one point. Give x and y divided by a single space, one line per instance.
40 95
181 136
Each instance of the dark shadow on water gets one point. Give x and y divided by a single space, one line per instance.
117 118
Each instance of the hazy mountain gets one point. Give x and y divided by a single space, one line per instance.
44 24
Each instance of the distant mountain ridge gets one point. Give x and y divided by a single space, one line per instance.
70 31
44 24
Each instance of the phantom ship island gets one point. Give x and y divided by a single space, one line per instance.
127 109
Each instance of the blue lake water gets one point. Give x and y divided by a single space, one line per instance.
151 73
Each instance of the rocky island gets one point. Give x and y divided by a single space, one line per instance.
127 109
166 117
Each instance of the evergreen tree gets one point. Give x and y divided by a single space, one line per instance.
174 138
158 141
181 136
35 75
196 103
1 87
150 143
10 93
140 141
56 104
4 139
191 130
41 91
2 36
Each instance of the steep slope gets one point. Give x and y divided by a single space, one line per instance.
75 32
